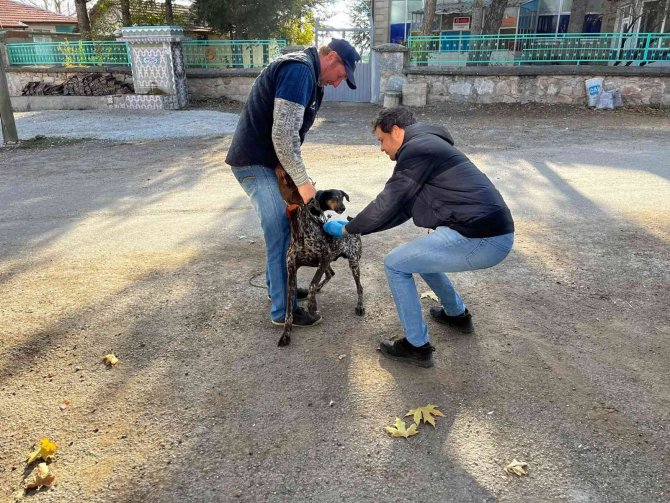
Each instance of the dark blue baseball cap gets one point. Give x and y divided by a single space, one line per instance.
349 57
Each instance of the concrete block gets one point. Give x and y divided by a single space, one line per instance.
415 94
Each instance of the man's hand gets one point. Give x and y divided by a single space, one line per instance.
336 228
307 192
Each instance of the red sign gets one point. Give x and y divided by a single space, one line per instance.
461 23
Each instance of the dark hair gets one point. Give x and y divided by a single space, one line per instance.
396 116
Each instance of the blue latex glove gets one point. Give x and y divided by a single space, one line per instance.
335 228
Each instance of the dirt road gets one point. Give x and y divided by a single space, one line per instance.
150 250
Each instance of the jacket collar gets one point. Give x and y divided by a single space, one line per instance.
313 56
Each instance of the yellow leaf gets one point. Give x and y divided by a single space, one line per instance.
40 476
427 412
399 430
46 449
110 359
518 468
430 295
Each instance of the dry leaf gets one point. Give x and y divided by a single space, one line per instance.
399 430
517 468
40 476
430 295
341 357
427 412
46 449
110 359
65 405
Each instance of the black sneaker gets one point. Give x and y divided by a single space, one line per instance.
462 322
400 349
302 294
301 318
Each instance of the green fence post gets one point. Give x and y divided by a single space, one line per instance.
646 47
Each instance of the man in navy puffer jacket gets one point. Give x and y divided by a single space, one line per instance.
441 189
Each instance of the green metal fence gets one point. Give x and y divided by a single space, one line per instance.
231 53
69 53
197 53
523 49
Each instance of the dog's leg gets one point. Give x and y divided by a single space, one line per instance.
314 287
291 286
356 272
329 275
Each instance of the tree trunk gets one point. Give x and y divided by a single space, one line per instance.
82 19
169 15
666 28
577 14
126 19
428 17
609 16
494 17
477 17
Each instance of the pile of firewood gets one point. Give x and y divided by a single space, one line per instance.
92 84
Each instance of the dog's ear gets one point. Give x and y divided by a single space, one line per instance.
346 196
319 193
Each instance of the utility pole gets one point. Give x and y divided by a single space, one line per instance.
9 134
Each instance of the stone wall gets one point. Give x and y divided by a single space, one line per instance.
231 84
18 77
552 85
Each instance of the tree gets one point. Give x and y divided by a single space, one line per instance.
169 15
609 16
65 7
82 19
577 13
494 17
477 17
108 15
126 19
252 18
298 31
428 17
360 13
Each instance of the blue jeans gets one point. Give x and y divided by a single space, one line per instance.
432 256
260 184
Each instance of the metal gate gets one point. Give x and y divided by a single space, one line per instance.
363 72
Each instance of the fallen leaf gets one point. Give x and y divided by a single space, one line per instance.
341 357
65 405
518 468
399 429
110 359
40 476
430 295
427 412
46 449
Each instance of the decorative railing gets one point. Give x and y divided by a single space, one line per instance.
197 53
69 53
231 53
524 49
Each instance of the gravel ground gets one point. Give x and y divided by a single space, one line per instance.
152 251
125 125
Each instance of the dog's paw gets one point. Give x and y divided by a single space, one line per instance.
284 341
360 310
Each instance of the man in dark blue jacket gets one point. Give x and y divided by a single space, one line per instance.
281 108
441 189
